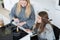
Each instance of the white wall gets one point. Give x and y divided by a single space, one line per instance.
50 7
9 4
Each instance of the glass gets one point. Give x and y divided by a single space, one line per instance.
17 29
1 21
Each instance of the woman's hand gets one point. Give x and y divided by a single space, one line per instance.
16 20
28 30
21 23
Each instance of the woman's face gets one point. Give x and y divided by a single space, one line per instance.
23 3
39 19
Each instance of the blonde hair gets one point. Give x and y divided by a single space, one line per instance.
27 11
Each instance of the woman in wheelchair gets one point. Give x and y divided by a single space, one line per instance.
43 27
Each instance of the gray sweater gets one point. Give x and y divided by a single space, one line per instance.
30 20
47 34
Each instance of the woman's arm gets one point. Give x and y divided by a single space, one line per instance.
13 11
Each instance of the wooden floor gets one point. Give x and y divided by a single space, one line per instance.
4 12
